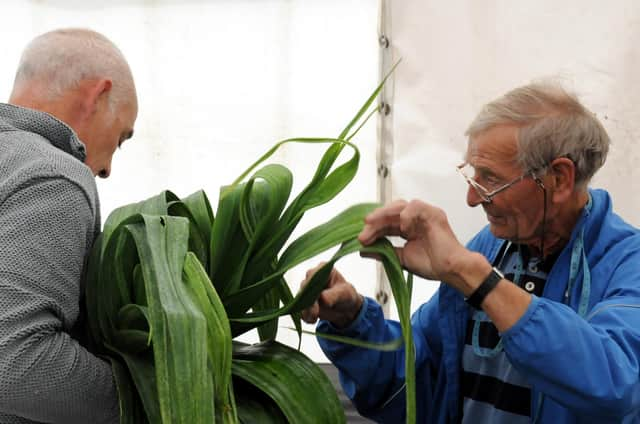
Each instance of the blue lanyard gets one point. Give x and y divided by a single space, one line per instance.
481 316
577 255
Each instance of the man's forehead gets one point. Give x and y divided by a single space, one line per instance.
502 137
495 145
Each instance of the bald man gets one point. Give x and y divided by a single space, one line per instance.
73 103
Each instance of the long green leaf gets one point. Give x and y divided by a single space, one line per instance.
318 192
254 406
130 403
197 242
200 207
384 347
185 392
261 203
330 156
402 295
271 300
339 229
300 383
228 242
142 371
218 340
308 294
95 335
156 205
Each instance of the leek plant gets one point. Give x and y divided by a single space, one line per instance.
171 284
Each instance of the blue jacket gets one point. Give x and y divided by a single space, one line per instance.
582 368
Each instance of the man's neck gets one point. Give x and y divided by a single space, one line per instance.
559 226
66 107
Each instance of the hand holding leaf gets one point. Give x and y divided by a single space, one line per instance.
339 303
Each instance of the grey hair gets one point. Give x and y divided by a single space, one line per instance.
63 58
552 123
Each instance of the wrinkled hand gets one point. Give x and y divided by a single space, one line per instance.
339 303
431 251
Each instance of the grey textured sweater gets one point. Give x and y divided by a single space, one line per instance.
49 217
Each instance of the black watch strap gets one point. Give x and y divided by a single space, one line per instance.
483 289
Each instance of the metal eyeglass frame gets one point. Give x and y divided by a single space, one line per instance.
485 194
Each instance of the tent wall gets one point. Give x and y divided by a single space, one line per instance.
459 55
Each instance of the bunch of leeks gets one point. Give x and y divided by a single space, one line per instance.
171 285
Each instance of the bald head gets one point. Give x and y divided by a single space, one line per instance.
59 60
81 78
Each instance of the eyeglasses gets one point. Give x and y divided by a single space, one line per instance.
488 190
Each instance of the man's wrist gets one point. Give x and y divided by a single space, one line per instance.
351 317
490 282
471 271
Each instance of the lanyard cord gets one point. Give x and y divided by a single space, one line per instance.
577 255
480 316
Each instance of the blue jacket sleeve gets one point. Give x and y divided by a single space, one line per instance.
590 365
374 380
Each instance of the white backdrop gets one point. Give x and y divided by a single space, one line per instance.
458 55
219 83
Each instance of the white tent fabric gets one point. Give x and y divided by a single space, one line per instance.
219 82
459 55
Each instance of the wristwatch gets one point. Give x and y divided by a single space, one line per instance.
484 288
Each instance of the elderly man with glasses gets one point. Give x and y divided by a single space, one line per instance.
537 319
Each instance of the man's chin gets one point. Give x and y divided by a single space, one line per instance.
498 231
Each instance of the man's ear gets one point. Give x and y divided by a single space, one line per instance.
563 174
95 92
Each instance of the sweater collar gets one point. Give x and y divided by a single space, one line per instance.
57 132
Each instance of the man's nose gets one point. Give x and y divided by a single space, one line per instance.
473 197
